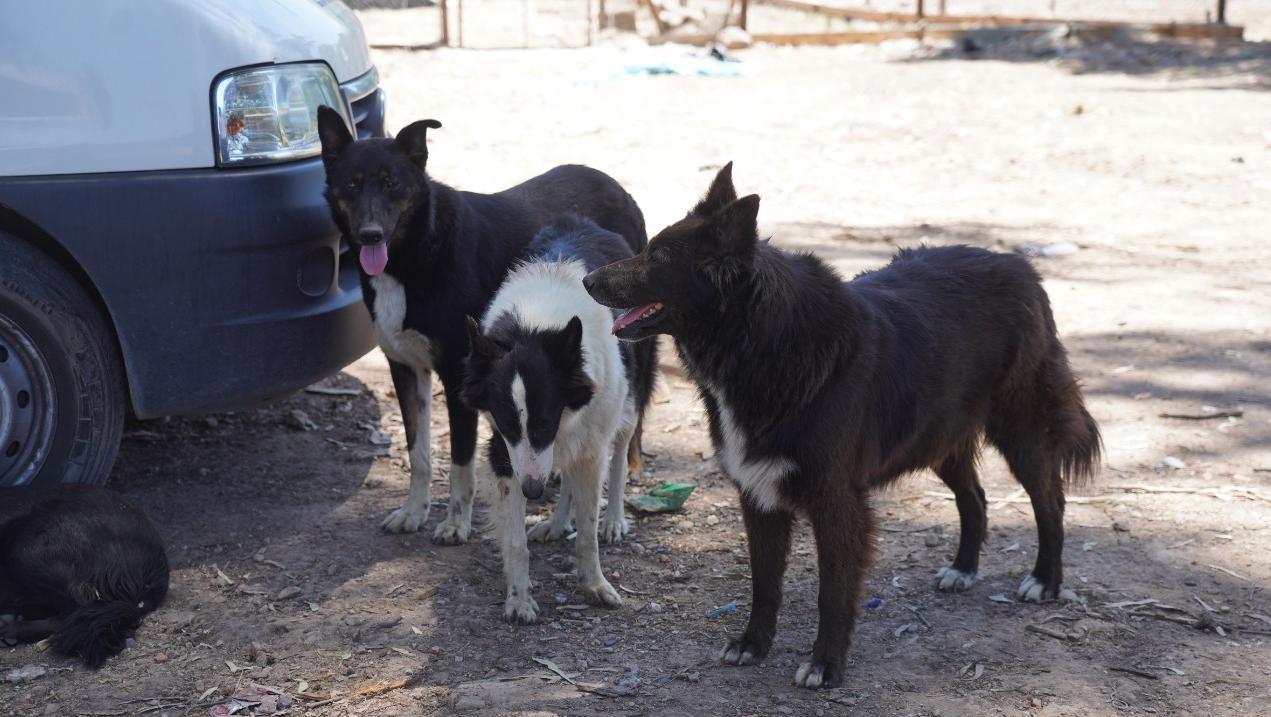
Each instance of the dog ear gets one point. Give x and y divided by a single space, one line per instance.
565 347
720 195
333 133
483 351
728 247
412 140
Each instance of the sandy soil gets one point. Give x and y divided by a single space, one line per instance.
1161 176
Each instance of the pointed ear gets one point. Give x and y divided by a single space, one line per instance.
566 349
412 140
720 195
728 248
482 353
333 133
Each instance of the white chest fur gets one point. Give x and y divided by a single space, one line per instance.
759 479
405 346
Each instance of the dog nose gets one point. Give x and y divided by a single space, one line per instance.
371 234
588 283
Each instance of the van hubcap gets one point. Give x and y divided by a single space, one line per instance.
26 402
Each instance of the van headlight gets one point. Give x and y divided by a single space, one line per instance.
270 114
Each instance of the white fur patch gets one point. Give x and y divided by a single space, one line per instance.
952 580
760 479
405 346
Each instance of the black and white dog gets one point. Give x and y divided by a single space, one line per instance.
819 391
78 565
432 256
561 393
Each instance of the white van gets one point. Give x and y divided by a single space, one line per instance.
164 244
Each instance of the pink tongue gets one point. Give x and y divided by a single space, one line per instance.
629 318
374 258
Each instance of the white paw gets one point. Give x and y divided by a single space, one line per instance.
613 531
452 531
602 593
520 608
406 519
733 654
546 530
810 675
951 580
1032 590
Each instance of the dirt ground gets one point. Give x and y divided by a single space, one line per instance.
1160 175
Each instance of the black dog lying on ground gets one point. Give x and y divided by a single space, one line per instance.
819 391
78 565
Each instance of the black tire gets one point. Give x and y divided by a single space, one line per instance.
61 384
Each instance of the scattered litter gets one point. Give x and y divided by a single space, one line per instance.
1063 248
253 699
654 607
1229 571
561 598
904 628
25 674
1123 369
220 575
728 609
377 437
1002 599
301 421
663 498
873 603
610 642
1172 462
976 669
1088 546
1048 631
1262 618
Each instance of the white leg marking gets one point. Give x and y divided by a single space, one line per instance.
1033 590
519 607
586 476
809 675
614 527
414 512
457 527
951 580
734 655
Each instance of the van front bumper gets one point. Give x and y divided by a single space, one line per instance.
225 287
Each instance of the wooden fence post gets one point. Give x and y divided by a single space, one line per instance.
1222 12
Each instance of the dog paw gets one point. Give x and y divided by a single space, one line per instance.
602 594
520 609
742 651
452 531
815 675
613 531
1033 590
406 519
952 580
546 530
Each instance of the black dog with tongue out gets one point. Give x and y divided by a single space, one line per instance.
431 256
819 391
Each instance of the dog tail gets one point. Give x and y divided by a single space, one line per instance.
99 631
1080 444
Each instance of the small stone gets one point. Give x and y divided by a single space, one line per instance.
287 593
712 519
1120 528
211 422
1172 462
931 540
654 607
52 708
130 643
469 702
161 658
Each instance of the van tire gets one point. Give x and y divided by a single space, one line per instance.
61 378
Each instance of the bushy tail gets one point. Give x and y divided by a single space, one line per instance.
1080 444
99 631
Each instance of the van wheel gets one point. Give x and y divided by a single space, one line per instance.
61 384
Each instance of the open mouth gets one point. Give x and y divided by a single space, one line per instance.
373 258
638 316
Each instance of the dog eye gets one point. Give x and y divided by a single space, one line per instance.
389 181
351 184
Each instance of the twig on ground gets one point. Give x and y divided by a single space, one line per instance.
1230 572
1204 416
918 615
1048 632
1132 671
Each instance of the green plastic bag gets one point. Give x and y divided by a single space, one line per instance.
664 498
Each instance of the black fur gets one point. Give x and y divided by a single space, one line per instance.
858 383
451 249
81 565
